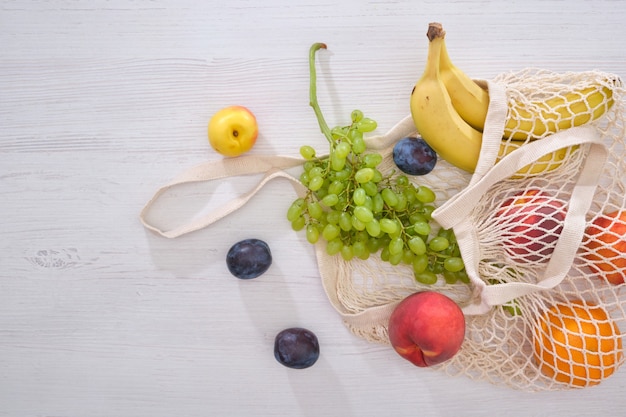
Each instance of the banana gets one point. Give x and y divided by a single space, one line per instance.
469 99
527 121
546 163
542 118
434 116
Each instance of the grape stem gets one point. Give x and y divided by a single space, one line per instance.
313 92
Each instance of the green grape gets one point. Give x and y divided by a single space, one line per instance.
373 243
360 250
402 181
395 258
337 163
315 183
312 234
426 277
422 228
357 224
358 146
437 267
364 214
342 150
410 193
298 224
407 257
356 116
366 125
336 187
316 172
417 218
377 203
417 245
295 210
402 202
378 176
427 211
425 194
369 203
358 196
390 198
384 254
344 174
438 244
307 152
373 228
420 263
315 210
453 264
450 277
388 226
304 178
361 236
355 135
347 253
396 246
309 165
364 175
372 160
345 221
330 232
333 216
463 277
330 200
334 246
370 188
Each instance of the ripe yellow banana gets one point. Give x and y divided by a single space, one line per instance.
469 99
532 120
434 116
442 127
546 117
546 163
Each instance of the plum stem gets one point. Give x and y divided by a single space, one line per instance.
313 92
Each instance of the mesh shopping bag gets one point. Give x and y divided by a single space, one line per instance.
539 227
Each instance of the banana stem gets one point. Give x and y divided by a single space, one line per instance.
313 92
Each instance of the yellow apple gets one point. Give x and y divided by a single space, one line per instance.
233 130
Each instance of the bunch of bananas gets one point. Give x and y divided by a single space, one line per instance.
449 110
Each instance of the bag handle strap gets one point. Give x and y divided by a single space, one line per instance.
272 166
455 213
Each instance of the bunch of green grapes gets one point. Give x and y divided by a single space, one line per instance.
359 211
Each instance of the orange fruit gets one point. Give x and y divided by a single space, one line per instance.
577 343
606 242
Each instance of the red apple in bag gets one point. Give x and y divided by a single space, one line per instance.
530 224
605 244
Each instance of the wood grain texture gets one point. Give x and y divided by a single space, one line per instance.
102 102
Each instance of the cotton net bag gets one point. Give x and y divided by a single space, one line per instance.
540 231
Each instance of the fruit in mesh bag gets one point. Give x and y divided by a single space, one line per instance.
427 328
577 343
449 110
605 244
530 223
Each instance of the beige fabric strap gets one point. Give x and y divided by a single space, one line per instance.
455 213
271 166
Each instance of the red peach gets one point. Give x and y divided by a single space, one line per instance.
605 240
427 328
532 222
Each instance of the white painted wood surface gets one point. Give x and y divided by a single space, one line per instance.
102 102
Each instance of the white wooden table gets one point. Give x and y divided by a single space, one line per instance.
102 102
